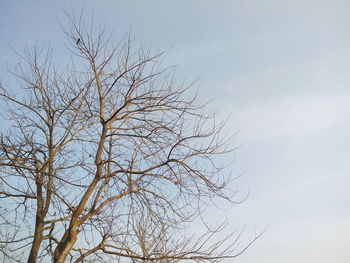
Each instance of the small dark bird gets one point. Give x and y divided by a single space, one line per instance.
78 41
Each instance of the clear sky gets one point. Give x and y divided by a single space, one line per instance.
281 68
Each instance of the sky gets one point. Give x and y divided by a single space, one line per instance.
280 69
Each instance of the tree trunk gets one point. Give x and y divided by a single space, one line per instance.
65 246
38 237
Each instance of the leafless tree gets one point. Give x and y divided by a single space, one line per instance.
111 158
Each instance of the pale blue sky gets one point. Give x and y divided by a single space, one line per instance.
282 68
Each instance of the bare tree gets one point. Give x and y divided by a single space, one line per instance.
107 159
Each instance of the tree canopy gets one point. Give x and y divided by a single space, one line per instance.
110 158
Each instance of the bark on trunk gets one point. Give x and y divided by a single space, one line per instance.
38 237
65 246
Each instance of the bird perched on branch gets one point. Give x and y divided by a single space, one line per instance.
78 41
